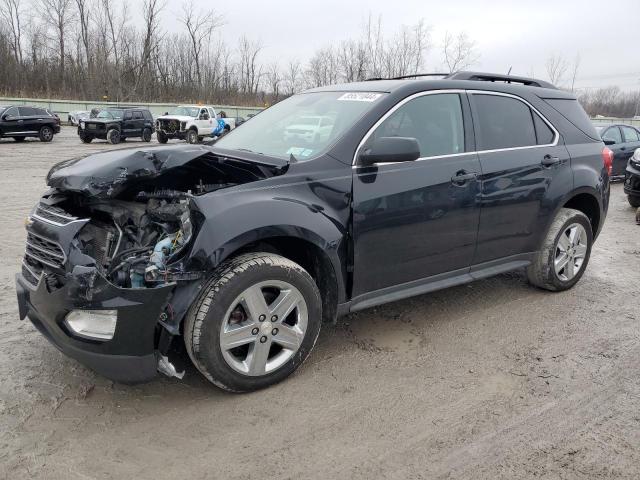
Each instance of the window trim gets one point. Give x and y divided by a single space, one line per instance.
396 107
556 137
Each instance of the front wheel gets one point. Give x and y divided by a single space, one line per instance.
192 136
46 134
113 136
633 200
564 254
256 321
162 137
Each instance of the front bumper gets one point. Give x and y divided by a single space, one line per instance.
130 357
100 133
632 180
46 298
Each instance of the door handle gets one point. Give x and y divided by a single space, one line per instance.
20 121
623 148
462 177
550 160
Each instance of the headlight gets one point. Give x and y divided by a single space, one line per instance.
93 324
82 125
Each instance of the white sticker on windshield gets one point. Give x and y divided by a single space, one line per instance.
360 97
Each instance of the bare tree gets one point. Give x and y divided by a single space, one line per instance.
459 51
293 76
11 15
58 15
250 71
151 10
556 67
200 27
574 71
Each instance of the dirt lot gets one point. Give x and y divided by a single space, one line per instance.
490 380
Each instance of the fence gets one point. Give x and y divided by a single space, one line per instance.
626 121
63 107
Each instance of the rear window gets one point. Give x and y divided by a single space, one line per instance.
572 111
504 122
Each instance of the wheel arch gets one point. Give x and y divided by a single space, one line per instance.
305 248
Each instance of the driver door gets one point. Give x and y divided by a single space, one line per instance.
418 219
11 121
204 122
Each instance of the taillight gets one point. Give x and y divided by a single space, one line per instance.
607 160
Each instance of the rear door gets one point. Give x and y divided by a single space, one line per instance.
128 123
618 147
525 168
138 122
414 220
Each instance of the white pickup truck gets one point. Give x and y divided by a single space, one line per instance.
193 123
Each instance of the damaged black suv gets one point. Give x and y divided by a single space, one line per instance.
332 201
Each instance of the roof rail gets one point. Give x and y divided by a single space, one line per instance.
415 75
492 77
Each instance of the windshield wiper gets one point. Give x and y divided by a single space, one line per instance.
250 151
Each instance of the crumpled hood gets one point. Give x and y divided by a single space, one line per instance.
107 174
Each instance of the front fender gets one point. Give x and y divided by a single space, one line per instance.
234 220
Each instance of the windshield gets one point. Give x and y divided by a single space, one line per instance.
110 114
185 111
303 125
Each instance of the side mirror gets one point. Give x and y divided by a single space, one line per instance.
609 141
390 149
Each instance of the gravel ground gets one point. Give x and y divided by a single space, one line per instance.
489 380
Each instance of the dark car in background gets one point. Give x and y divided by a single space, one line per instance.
622 140
21 121
117 124
632 180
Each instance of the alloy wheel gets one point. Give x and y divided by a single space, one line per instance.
263 328
571 251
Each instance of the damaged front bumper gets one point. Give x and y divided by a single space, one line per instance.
131 355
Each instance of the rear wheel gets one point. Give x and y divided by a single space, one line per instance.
192 136
565 252
162 137
113 136
633 200
46 134
146 135
255 322
19 139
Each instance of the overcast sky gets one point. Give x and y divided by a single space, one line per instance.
517 34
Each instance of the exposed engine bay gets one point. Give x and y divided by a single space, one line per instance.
139 210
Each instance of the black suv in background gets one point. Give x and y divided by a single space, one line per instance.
20 122
117 124
240 250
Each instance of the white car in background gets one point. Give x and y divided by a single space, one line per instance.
192 123
74 118
309 128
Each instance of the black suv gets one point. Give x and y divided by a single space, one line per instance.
117 124
331 201
20 122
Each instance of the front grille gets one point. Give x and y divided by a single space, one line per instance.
52 214
31 270
44 251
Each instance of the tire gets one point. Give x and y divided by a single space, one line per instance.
86 138
192 136
19 139
633 200
113 136
146 135
46 134
543 272
162 137
219 307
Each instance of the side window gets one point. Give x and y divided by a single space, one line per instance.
211 113
128 115
12 112
41 112
147 114
612 133
203 112
27 111
434 120
544 134
504 122
630 134
137 115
